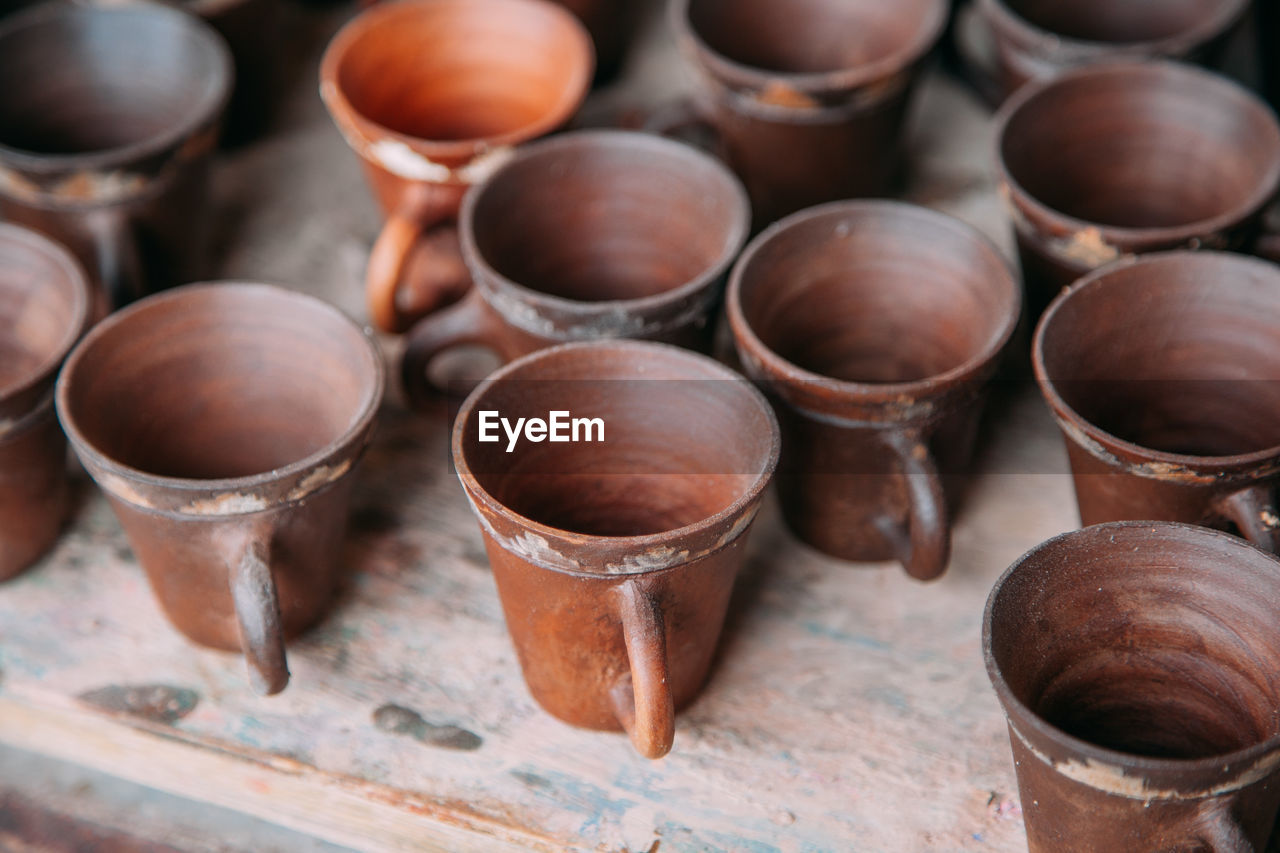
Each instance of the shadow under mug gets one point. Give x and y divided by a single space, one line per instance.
874 327
1136 663
45 306
615 558
806 99
1164 376
108 119
433 95
224 421
590 235
1036 40
1111 161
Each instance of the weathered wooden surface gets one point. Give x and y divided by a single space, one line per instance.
849 709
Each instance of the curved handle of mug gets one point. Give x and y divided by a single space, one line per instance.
253 591
416 254
688 120
468 321
1220 832
642 698
1254 511
925 547
119 259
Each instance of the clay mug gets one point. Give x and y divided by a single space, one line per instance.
593 234
614 558
875 327
45 302
1164 376
434 95
1136 664
224 423
107 150
807 99
1039 39
1116 160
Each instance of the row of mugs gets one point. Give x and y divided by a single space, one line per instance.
224 420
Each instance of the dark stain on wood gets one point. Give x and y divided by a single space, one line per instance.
157 703
405 721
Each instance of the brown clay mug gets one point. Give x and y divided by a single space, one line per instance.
615 558
875 327
594 234
224 422
434 95
1116 160
106 148
806 98
1164 376
1136 663
45 302
1039 39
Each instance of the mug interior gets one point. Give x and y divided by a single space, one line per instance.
455 70
43 305
811 36
681 442
876 293
1121 21
1176 353
79 80
1143 146
219 381
606 217
1149 639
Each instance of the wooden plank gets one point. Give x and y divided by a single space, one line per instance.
849 708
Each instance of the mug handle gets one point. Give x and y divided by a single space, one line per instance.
417 251
688 120
642 697
253 591
1254 511
119 258
468 321
1220 832
925 547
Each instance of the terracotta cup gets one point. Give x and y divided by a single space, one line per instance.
434 95
875 327
614 559
1117 160
594 234
1164 375
807 98
107 149
1039 39
1136 663
45 304
223 422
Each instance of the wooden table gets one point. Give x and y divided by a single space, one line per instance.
849 709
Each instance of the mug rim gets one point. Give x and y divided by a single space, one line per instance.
788 371
740 73
1208 765
360 424
488 278
713 369
1097 279
81 306
1188 39
345 113
206 109
1021 198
